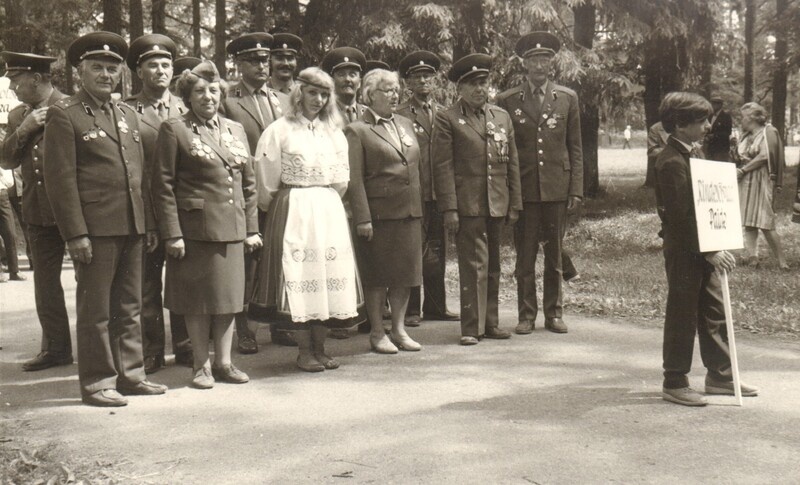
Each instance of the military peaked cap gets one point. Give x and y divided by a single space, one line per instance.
25 62
419 61
344 57
258 43
150 45
284 42
183 63
375 64
537 43
471 66
97 44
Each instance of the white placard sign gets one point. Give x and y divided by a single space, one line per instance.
716 205
8 100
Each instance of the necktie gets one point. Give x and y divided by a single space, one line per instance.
261 103
538 98
161 110
426 107
351 113
213 130
392 131
479 116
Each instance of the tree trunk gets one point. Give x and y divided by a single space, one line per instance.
136 21
664 66
112 16
219 37
158 14
15 28
704 30
780 74
749 28
259 12
197 36
583 33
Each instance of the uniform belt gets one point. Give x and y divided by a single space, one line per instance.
291 186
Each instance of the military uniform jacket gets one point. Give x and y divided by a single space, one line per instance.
93 169
423 128
360 109
28 152
149 124
674 198
241 107
384 176
475 166
548 141
204 190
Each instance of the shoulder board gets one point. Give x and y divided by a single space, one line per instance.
123 104
67 102
19 107
564 89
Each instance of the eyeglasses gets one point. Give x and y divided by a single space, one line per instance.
390 92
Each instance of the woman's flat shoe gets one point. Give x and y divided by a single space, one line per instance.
404 342
383 345
327 361
203 378
229 373
309 364
467 340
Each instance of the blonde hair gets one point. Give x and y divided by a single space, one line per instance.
313 76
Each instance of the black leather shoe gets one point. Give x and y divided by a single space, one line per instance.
412 320
153 363
468 340
555 325
144 388
16 277
524 327
185 359
497 333
446 317
107 398
284 338
45 360
229 373
247 345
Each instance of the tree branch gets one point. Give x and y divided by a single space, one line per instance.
183 22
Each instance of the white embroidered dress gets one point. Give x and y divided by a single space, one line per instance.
318 264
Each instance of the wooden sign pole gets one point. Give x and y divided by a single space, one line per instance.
726 296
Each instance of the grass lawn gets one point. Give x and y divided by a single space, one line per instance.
614 243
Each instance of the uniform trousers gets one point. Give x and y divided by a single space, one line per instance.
540 223
153 334
47 248
694 306
8 231
434 258
16 205
109 301
478 245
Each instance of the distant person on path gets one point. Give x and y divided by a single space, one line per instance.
23 147
656 141
760 158
694 299
716 143
627 135
8 228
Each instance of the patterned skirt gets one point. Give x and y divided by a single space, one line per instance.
755 199
307 269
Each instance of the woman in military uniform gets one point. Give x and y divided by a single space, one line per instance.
204 191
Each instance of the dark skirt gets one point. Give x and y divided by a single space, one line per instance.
268 303
209 280
393 259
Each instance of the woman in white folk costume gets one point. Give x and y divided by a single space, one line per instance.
760 159
204 193
307 276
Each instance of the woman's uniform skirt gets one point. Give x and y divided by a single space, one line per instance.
307 270
209 280
393 258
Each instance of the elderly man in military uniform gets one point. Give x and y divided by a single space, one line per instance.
150 57
283 61
253 104
547 124
93 167
419 70
477 187
346 65
23 146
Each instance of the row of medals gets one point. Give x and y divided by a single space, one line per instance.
92 134
236 147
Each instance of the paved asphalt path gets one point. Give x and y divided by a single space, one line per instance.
578 408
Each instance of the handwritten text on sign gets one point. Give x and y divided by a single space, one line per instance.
716 205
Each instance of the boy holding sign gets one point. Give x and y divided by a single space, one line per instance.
694 300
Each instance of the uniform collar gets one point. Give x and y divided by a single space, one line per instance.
252 90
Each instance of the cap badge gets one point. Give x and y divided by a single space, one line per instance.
156 48
538 46
285 46
106 47
474 68
346 59
258 45
421 63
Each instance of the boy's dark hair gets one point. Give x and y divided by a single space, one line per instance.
682 108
